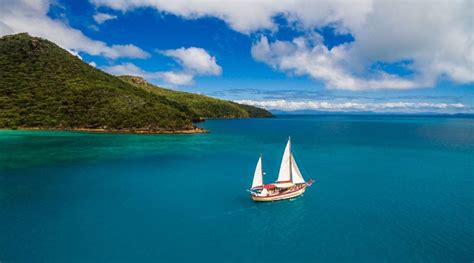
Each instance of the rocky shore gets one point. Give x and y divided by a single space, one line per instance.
122 131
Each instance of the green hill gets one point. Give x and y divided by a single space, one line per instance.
202 106
44 86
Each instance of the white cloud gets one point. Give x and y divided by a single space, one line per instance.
127 50
74 53
437 36
127 69
103 17
170 77
31 16
195 60
306 56
248 16
176 78
398 106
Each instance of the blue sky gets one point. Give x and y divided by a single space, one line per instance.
312 55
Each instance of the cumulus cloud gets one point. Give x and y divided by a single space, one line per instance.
126 69
170 77
399 106
435 36
306 56
248 16
74 53
195 60
31 16
103 17
176 78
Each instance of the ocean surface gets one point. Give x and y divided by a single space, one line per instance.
387 189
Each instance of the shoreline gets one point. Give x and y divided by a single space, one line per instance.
195 130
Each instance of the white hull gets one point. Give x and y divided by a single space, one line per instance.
282 196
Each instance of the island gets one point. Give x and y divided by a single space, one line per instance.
43 86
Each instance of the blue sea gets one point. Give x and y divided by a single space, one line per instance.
387 189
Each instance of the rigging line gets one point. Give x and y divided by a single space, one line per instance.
299 164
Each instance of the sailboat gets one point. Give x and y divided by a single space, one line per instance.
290 182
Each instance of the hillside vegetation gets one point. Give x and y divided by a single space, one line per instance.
44 86
202 106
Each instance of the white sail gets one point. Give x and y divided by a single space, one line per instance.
285 172
258 175
296 176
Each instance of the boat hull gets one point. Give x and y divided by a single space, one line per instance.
282 196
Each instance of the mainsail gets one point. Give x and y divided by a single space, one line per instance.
289 171
258 175
285 171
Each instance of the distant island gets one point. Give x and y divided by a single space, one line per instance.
43 86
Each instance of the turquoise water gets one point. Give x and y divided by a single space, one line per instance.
387 189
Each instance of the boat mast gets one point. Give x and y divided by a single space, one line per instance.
291 175
261 168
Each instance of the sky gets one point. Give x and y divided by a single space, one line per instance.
365 55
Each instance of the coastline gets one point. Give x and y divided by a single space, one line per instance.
195 130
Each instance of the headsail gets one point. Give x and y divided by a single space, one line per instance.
296 176
258 175
285 169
